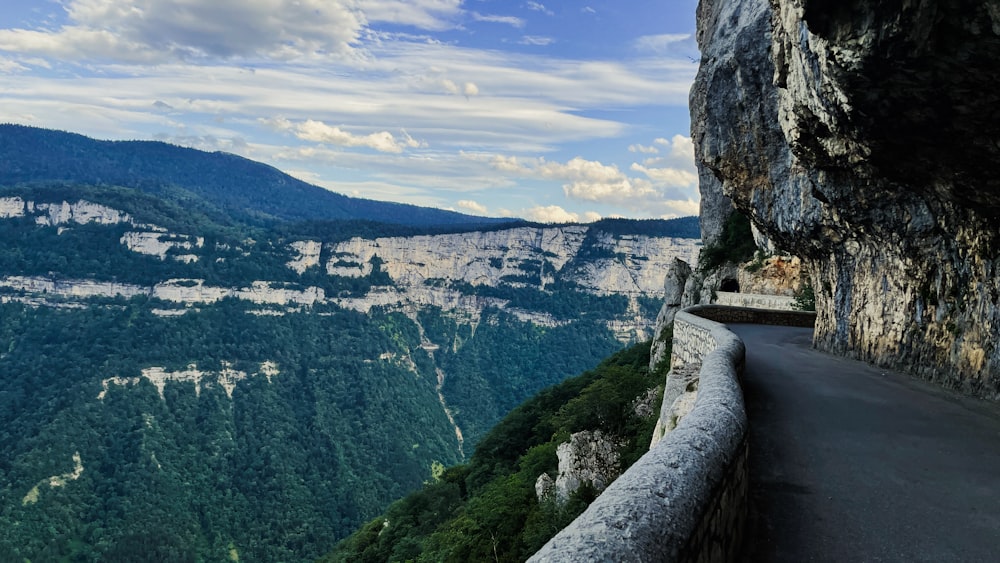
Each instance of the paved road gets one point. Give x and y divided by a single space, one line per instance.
854 463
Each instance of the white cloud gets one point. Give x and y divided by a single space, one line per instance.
430 15
550 214
671 177
680 208
491 18
470 89
674 169
536 40
159 30
319 132
663 43
472 207
583 179
538 7
8 66
643 149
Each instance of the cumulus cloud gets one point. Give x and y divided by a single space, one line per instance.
472 207
554 214
583 179
671 177
671 189
680 208
468 89
319 132
674 168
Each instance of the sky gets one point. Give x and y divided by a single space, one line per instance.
549 110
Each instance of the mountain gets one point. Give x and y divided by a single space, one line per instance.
532 474
183 383
247 190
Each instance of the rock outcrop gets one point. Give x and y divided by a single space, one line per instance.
862 137
590 457
678 273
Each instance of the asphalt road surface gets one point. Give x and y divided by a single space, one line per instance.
854 463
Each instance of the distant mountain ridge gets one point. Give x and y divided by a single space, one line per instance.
248 190
191 372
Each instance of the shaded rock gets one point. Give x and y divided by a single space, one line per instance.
862 138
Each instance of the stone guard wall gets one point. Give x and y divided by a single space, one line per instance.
755 300
686 499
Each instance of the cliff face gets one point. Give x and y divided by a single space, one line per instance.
863 138
416 271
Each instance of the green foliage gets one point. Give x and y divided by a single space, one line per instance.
758 262
282 469
805 298
735 245
684 227
487 510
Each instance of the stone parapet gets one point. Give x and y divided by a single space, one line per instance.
755 300
686 499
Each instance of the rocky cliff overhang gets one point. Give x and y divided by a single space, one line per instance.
865 138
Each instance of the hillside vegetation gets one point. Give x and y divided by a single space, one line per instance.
487 509
178 382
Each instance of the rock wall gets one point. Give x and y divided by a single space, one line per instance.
756 300
862 137
628 264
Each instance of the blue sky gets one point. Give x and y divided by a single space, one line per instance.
549 110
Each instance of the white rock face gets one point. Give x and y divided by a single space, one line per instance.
478 258
588 457
11 207
159 244
487 258
81 213
147 239
308 255
72 288
227 378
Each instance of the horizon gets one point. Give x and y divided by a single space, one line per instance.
551 112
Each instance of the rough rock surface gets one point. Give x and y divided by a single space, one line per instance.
678 273
862 137
589 457
775 275
634 264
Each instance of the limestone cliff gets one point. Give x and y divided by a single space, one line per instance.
862 137
409 272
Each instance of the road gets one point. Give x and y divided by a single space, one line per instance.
854 463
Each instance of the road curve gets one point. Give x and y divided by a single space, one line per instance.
855 463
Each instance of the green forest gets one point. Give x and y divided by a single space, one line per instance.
137 429
278 471
487 509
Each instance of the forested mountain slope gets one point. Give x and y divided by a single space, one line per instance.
233 185
182 383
